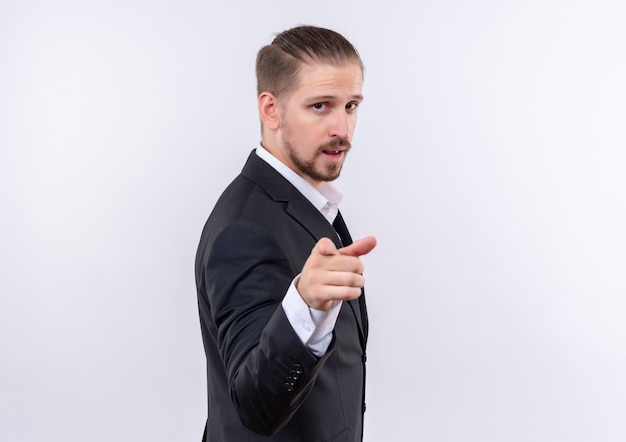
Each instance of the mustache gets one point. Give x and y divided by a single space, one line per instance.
336 142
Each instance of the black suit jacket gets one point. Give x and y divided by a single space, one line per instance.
263 383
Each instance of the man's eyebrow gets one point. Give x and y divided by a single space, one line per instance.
318 98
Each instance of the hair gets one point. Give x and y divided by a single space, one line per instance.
278 64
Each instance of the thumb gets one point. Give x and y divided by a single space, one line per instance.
360 247
326 247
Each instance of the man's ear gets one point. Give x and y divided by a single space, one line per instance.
269 110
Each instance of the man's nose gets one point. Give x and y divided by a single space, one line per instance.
342 126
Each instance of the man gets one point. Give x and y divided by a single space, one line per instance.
283 318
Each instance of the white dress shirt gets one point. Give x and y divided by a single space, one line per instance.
313 327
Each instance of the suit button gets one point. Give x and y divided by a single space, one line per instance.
288 387
297 368
364 407
364 357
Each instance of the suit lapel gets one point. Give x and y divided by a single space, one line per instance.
297 206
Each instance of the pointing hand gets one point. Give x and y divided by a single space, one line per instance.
331 274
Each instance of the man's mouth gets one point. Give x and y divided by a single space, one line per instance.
333 151
336 146
336 150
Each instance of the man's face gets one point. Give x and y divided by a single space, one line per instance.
317 120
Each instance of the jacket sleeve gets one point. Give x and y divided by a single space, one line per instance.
269 370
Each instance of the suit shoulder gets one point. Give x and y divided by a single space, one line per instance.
242 199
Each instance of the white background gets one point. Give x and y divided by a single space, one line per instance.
489 161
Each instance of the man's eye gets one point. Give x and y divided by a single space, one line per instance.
352 106
320 106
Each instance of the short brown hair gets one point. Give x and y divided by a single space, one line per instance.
278 64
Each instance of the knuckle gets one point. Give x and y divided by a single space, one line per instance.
355 280
350 292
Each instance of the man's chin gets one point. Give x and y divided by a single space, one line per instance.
321 172
332 175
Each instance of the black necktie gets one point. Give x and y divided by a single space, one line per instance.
342 230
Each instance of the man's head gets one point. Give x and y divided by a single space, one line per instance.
309 83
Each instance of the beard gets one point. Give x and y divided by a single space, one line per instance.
326 172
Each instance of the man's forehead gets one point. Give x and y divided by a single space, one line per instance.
344 78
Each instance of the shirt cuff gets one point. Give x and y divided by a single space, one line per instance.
313 327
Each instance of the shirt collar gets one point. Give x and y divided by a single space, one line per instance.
326 201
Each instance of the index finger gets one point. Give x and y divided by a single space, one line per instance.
359 247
